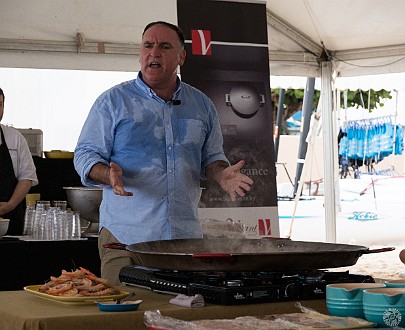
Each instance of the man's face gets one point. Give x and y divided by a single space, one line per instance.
160 56
1 106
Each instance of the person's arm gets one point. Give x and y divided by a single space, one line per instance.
109 175
229 178
21 189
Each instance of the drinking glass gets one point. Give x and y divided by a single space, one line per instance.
61 204
46 204
37 222
29 220
76 226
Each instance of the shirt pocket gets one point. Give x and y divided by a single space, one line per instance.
191 133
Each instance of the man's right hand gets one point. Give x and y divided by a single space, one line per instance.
109 175
116 180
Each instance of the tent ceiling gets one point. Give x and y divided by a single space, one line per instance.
361 37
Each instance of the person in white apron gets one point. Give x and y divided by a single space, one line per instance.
17 174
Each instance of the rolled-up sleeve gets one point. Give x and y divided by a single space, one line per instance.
213 146
95 141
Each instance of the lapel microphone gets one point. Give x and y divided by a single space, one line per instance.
176 102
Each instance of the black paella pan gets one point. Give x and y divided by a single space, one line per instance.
224 254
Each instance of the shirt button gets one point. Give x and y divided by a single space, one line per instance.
170 148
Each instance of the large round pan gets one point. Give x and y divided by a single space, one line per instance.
246 254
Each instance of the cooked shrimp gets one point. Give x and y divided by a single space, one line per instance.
86 271
99 280
69 293
105 292
92 288
80 282
76 274
60 288
51 284
83 282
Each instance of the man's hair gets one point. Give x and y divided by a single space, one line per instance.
1 93
175 28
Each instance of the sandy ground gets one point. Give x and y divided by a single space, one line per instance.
385 202
381 266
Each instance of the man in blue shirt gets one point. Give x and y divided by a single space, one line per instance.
148 142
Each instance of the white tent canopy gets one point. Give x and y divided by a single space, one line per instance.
360 37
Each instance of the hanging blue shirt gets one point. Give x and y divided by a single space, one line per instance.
163 149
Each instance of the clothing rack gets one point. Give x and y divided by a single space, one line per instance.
370 140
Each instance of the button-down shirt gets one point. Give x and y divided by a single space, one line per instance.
163 149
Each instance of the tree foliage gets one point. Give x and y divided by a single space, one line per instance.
293 101
360 98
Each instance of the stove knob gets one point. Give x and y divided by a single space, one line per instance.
292 290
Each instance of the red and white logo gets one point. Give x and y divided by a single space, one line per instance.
201 42
264 227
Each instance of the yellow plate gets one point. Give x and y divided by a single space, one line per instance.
59 154
33 289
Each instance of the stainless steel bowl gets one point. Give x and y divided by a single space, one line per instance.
86 201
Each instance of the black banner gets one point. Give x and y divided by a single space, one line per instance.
227 59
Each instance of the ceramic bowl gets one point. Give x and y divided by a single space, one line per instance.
385 307
346 299
4 226
400 283
112 306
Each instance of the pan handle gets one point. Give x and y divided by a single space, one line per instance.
116 246
387 249
212 255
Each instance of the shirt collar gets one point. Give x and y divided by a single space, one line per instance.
149 91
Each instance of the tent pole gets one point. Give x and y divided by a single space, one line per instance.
394 140
329 150
279 119
306 119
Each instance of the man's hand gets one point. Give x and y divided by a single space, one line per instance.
116 180
230 178
109 176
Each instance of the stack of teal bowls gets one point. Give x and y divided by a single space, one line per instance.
346 299
380 303
386 306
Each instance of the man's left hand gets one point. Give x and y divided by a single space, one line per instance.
234 182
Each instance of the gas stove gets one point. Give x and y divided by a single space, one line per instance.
233 288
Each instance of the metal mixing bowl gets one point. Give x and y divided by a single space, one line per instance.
85 200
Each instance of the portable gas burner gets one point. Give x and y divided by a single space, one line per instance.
232 288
